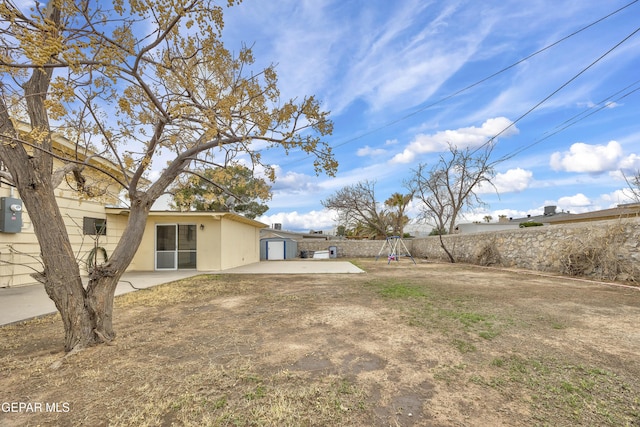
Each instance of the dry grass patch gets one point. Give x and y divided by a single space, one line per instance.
432 344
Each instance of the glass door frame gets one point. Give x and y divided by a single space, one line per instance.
176 244
156 251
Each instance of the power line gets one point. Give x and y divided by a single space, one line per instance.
568 82
477 83
605 103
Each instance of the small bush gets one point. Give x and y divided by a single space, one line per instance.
596 253
530 224
488 255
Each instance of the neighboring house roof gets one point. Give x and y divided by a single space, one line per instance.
550 216
271 232
218 215
630 210
476 227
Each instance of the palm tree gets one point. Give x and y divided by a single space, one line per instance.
398 218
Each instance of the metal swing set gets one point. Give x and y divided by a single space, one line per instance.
392 244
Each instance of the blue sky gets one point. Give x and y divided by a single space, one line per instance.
378 66
387 71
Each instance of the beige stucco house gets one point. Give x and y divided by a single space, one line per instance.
200 241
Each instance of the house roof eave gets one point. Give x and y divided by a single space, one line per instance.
190 214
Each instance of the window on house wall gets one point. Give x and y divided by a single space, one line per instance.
94 226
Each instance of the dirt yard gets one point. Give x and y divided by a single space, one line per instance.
401 345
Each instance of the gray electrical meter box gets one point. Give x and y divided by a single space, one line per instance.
10 215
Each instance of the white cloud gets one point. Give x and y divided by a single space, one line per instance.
375 64
154 175
293 190
576 200
298 37
617 197
631 163
627 168
294 182
588 158
391 55
471 136
407 156
368 151
402 55
576 203
294 221
512 181
591 104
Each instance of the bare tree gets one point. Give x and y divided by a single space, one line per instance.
129 80
358 209
449 186
633 183
362 215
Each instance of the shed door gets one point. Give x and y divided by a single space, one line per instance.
275 250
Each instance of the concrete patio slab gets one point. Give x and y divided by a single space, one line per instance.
26 302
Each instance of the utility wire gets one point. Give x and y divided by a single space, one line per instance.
605 103
568 82
605 100
477 83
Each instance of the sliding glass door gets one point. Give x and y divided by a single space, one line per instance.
175 246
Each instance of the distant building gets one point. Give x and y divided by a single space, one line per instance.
478 227
266 233
550 215
629 210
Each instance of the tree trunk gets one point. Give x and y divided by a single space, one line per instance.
104 279
61 275
451 258
87 315
99 301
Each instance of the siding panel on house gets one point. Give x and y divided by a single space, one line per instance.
20 252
